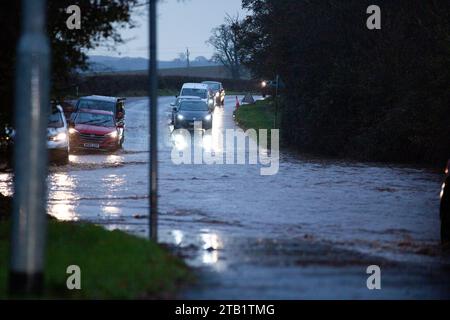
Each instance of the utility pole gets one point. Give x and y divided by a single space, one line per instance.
153 129
30 153
188 63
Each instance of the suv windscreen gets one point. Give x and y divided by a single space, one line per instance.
97 105
201 93
193 106
94 119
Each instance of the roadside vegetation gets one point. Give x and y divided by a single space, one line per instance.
114 84
126 93
114 265
68 49
379 95
259 115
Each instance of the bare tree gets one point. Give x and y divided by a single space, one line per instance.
224 39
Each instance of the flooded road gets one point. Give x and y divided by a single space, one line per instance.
309 231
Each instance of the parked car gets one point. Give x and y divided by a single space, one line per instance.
445 206
96 130
200 90
191 111
104 103
176 104
217 91
57 136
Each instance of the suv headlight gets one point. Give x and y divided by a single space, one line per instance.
113 134
62 136
208 117
180 117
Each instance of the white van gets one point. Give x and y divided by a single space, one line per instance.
200 90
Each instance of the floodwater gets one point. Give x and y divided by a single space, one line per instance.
309 231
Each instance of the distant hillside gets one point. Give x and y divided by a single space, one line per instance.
111 64
209 72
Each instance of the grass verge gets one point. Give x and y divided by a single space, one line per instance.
259 115
114 265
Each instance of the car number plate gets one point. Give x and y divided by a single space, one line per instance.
92 145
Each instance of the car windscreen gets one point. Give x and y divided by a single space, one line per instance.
97 105
95 119
55 120
214 86
201 93
180 100
193 106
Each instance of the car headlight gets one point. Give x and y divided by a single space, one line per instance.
62 136
180 117
211 101
208 117
113 134
72 131
263 84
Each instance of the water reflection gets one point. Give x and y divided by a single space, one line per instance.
211 244
177 237
115 159
111 210
73 158
114 182
207 141
61 197
6 184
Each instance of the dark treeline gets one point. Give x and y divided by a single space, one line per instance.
373 94
100 23
121 84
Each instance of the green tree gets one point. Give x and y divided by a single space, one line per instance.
350 91
100 23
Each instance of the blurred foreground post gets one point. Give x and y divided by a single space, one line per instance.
30 154
153 94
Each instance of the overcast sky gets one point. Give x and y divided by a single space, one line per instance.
181 24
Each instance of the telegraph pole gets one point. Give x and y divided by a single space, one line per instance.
30 152
188 54
153 94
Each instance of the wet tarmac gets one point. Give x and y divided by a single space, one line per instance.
309 231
